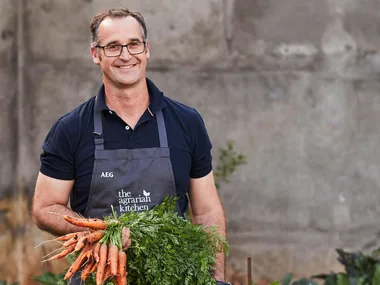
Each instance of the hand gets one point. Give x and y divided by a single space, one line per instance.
126 238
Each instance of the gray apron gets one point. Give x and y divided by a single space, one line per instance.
128 179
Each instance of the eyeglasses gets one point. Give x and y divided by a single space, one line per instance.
115 50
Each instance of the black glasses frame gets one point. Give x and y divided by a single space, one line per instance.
121 50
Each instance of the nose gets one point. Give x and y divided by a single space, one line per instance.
125 55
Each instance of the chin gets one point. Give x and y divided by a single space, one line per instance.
129 81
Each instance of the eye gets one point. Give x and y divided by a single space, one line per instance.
134 44
113 47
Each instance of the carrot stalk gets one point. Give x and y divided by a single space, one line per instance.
96 224
113 257
101 264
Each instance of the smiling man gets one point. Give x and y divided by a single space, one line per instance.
127 147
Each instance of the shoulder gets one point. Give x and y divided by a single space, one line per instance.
187 120
183 112
76 116
70 127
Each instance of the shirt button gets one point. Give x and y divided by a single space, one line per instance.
127 128
110 112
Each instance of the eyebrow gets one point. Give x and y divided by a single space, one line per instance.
130 40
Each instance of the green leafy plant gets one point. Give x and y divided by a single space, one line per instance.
228 161
360 269
167 249
287 280
49 278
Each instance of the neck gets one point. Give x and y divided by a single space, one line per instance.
127 102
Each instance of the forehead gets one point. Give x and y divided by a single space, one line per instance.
119 29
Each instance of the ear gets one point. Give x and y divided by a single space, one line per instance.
147 49
95 55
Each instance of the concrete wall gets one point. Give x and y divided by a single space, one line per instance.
294 83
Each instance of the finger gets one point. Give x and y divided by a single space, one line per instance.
128 245
125 234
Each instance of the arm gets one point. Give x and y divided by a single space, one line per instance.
208 210
50 202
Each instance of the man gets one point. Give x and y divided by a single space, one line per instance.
130 146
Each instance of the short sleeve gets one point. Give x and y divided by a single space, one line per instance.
57 157
201 161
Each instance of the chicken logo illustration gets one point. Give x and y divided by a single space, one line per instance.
146 194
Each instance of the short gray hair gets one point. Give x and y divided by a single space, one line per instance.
115 13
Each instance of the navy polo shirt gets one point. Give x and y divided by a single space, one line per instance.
68 150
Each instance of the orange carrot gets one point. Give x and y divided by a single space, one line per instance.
66 237
94 267
95 236
122 269
75 238
101 264
107 273
87 269
96 224
82 241
113 256
96 252
71 241
63 253
77 264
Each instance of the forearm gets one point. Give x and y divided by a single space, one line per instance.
216 218
50 219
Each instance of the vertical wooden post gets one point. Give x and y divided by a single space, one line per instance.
21 131
249 270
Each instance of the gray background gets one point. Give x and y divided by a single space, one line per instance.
294 83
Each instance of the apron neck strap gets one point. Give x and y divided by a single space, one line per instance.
98 128
161 129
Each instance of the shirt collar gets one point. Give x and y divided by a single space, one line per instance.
156 98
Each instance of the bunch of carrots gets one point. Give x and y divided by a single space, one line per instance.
94 255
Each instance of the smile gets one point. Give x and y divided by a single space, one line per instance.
126 66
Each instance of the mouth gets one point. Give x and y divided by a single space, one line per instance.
126 66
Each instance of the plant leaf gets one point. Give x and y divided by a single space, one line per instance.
376 277
342 279
50 279
286 280
304 281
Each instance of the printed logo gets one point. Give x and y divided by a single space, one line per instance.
107 174
138 203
